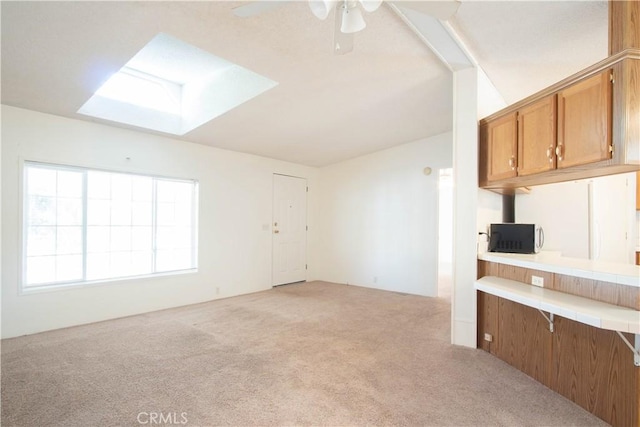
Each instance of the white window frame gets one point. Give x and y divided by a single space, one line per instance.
25 288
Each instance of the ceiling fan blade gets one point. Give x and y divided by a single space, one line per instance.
442 10
257 7
342 42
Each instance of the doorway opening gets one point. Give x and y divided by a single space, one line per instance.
445 232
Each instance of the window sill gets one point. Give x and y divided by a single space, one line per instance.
101 282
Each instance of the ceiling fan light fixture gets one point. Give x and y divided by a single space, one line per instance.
352 20
321 8
370 5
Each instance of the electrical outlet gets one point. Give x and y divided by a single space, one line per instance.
537 281
488 337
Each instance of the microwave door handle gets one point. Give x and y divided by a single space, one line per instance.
540 237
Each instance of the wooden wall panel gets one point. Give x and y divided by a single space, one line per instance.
524 340
519 274
590 366
483 267
624 296
487 321
593 368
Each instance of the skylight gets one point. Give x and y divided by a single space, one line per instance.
174 87
144 90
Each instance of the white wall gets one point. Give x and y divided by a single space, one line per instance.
235 214
465 206
378 218
562 210
489 211
590 218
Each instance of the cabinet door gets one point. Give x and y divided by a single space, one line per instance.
537 137
584 122
501 141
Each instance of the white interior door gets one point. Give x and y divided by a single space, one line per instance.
289 229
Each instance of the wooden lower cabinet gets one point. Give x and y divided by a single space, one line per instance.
590 366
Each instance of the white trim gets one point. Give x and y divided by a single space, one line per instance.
100 282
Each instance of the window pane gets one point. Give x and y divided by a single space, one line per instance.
121 264
69 211
98 212
141 238
183 214
121 187
182 238
68 268
120 213
98 185
141 213
120 238
69 184
165 214
97 266
141 262
142 187
41 269
69 240
164 260
184 193
98 239
171 260
42 182
166 190
41 240
165 237
182 259
42 210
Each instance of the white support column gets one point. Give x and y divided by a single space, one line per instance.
465 180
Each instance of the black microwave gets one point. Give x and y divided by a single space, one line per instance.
515 238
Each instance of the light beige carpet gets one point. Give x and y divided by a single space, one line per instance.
306 354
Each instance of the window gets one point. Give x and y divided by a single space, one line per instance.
143 90
83 225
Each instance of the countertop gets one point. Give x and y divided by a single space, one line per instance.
554 262
584 310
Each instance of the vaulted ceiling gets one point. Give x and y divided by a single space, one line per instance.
390 90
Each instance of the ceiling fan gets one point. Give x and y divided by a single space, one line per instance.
348 16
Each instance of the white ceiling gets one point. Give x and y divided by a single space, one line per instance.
390 90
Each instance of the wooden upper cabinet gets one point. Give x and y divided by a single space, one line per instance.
501 148
584 122
585 126
537 137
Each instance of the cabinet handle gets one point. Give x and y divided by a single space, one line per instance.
559 151
512 162
550 153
